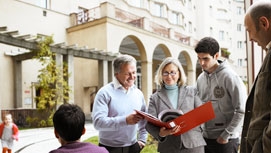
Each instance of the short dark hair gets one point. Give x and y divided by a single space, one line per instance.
207 45
69 122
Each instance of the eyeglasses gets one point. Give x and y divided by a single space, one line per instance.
172 73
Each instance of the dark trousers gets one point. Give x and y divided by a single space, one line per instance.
135 148
214 147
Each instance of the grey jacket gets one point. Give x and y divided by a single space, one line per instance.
187 101
228 95
256 135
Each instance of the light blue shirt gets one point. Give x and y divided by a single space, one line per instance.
112 105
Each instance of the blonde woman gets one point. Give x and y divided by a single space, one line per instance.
174 94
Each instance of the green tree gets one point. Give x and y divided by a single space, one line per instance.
225 52
52 83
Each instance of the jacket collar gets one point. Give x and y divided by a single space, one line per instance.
163 95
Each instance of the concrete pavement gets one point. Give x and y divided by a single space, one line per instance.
42 140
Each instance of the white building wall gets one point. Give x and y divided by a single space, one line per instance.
30 18
214 16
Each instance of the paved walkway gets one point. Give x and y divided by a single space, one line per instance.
42 140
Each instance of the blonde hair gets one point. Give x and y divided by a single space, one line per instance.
8 116
176 62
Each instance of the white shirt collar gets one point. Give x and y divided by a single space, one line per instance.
268 46
117 85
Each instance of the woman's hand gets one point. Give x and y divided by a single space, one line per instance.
165 132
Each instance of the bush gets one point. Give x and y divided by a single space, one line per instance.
41 119
151 146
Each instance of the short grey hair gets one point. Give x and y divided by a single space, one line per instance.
122 59
176 62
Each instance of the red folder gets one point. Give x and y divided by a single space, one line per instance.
187 121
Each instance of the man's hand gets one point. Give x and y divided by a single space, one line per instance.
220 140
133 119
141 144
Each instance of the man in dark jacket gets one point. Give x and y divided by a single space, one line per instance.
256 135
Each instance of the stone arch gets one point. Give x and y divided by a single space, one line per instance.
198 68
132 45
187 63
160 52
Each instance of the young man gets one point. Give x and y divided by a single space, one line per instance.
256 135
121 130
69 124
221 85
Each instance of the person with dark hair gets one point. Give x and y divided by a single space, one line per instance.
174 95
121 130
69 126
256 135
219 84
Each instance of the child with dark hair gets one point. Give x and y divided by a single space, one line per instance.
69 126
8 133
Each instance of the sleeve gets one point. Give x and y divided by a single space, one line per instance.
264 89
101 120
1 129
197 100
142 133
153 130
15 130
238 94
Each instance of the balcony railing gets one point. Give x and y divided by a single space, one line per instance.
131 19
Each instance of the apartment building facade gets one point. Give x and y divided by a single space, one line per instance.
89 34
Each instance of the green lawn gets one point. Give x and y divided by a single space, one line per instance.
149 148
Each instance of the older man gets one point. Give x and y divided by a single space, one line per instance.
256 135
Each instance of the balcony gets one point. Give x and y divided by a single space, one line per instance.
111 11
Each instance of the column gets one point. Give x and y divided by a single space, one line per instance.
18 83
107 9
69 60
191 76
103 73
146 72
59 66
110 71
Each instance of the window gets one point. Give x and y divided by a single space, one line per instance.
158 9
238 10
211 11
240 62
138 77
181 19
221 35
175 18
42 3
239 44
190 27
239 27
189 4
222 14
137 3
211 31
